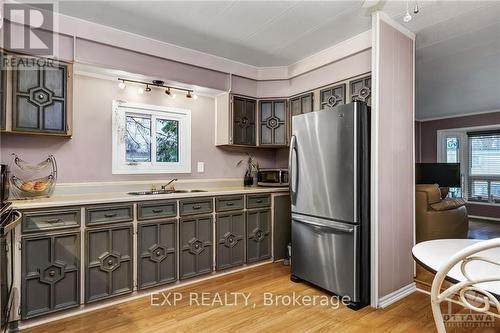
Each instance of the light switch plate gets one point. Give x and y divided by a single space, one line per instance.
201 166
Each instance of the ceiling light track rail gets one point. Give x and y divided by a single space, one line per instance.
156 84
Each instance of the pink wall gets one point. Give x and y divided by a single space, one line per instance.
395 160
427 141
86 157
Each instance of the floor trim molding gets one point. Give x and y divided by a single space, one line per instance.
395 296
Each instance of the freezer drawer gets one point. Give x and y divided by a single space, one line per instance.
325 254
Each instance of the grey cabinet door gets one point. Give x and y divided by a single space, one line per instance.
3 92
273 122
230 231
108 262
156 254
282 225
332 96
302 104
50 273
195 246
244 115
361 89
258 235
39 97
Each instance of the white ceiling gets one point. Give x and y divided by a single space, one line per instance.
458 42
260 33
458 64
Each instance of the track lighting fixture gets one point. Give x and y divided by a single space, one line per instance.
147 87
407 17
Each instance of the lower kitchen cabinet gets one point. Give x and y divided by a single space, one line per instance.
230 231
108 266
195 246
258 235
282 225
50 273
156 254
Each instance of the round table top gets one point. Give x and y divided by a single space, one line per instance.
433 254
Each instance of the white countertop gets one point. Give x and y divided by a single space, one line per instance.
110 197
435 253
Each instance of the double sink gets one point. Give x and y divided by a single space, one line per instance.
164 192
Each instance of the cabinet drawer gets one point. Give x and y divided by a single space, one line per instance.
156 209
109 214
258 200
229 203
50 220
195 206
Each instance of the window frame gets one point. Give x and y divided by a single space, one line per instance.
486 178
464 159
121 109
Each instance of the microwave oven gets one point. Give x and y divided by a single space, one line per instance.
272 177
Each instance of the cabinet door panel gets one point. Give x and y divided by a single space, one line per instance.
243 121
157 262
50 274
282 225
230 230
39 97
108 267
332 96
361 89
273 122
54 116
195 246
258 235
301 104
28 116
3 92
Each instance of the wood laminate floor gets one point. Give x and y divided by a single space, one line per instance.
412 314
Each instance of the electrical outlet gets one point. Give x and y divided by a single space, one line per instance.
201 167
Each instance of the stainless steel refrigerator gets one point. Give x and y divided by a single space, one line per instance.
329 167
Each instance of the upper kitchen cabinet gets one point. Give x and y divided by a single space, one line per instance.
361 89
3 93
273 123
301 104
235 120
332 96
41 96
244 121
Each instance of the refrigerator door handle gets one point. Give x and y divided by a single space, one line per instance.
293 182
317 223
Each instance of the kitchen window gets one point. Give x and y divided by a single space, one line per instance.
484 166
150 139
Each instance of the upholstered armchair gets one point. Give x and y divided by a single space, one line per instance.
437 218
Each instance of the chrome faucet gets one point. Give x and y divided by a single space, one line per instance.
165 187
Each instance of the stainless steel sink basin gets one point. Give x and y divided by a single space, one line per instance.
163 192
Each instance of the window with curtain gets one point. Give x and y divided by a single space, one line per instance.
484 166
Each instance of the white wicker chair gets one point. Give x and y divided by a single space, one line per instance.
488 302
